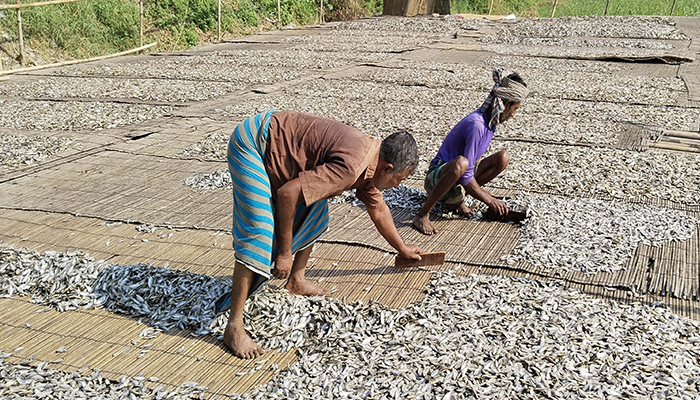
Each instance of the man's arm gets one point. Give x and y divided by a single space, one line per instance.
476 191
382 219
473 136
288 197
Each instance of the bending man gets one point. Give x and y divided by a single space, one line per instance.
456 169
285 165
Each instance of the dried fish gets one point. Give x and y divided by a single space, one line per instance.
74 115
590 235
17 150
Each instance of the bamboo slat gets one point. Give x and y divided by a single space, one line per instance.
36 4
72 62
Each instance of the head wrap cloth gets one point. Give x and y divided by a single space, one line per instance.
504 89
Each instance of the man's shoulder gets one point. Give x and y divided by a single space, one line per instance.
473 123
476 118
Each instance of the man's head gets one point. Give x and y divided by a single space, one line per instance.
398 157
513 92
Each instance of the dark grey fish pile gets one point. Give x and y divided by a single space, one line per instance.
17 150
60 280
168 298
485 337
592 236
220 179
26 382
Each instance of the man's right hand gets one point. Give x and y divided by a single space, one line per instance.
499 207
283 266
410 251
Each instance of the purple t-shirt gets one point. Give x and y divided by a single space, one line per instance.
470 138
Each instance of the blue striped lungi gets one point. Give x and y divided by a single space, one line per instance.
253 208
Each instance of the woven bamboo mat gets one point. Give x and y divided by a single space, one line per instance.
120 186
195 251
671 268
357 273
84 144
173 135
111 343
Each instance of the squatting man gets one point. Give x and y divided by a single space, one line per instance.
458 170
284 167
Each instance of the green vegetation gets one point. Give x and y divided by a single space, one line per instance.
543 8
95 27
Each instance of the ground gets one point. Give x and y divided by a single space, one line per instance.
118 160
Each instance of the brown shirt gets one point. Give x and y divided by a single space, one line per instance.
327 156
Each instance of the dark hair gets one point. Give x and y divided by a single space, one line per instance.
516 77
400 150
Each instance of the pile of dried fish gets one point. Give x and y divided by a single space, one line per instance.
604 114
165 90
27 382
558 50
486 337
405 198
219 179
584 172
168 298
589 235
220 65
198 69
418 24
60 280
641 44
213 147
296 59
633 27
599 87
74 115
66 281
521 63
17 150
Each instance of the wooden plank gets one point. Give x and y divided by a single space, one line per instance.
436 258
682 134
38 4
674 146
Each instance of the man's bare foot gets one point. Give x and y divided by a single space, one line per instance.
242 346
304 287
461 209
424 225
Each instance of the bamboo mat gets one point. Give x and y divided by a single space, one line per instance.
120 186
84 144
102 340
357 273
170 137
671 268
195 251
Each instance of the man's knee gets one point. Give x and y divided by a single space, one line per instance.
461 165
503 159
